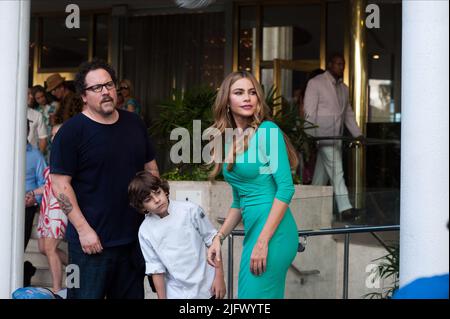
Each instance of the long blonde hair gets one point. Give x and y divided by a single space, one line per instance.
223 119
130 87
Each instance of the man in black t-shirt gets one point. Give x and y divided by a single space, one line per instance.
94 156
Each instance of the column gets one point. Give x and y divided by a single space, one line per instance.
14 31
424 156
358 92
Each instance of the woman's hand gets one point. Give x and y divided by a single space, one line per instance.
258 259
214 252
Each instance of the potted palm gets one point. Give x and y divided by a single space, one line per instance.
387 269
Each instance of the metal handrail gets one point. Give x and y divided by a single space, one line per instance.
365 140
347 231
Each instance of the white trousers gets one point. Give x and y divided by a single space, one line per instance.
329 167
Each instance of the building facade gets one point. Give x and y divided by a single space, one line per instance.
396 67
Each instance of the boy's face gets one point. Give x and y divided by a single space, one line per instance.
157 203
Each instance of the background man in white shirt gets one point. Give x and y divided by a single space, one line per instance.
327 105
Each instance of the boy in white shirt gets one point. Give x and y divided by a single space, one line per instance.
173 238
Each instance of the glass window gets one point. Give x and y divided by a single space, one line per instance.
167 52
337 17
291 32
31 51
247 34
384 65
101 36
62 47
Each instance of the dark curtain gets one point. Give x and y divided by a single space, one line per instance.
167 52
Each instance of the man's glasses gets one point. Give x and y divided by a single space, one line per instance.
99 87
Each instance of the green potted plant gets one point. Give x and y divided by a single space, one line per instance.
196 104
388 268
180 111
287 117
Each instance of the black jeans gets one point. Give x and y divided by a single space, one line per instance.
116 273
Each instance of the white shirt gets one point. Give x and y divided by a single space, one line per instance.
176 246
38 130
327 105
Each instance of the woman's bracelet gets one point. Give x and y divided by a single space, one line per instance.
221 237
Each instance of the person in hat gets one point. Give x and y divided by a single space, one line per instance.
70 103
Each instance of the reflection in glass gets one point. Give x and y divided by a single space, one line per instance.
291 32
247 36
381 103
101 37
266 79
277 43
62 47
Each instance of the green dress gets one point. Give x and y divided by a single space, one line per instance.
261 174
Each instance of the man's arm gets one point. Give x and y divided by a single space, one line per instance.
43 145
62 188
152 168
311 102
42 134
160 285
350 122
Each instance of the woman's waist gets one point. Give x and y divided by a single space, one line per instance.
257 198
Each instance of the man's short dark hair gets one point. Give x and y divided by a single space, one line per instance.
333 56
142 185
86 67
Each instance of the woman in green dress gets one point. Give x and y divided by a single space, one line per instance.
257 165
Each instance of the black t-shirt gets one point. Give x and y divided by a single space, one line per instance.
102 159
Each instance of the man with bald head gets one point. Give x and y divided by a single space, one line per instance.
327 105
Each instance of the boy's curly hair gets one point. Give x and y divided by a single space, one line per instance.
141 186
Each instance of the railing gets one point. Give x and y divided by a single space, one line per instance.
352 140
347 231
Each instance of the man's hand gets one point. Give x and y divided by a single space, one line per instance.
89 240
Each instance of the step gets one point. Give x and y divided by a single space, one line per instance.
37 259
43 278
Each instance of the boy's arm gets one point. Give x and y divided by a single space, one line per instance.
160 285
218 287
203 225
